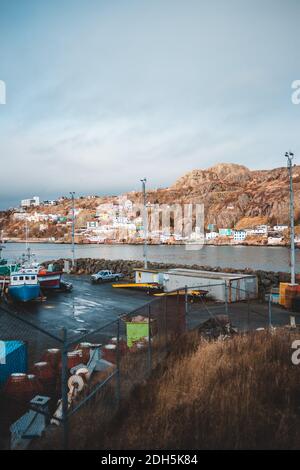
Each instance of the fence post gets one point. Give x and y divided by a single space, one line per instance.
248 310
64 389
178 311
149 340
118 381
226 298
186 305
270 310
166 321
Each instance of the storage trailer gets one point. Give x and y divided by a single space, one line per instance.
239 286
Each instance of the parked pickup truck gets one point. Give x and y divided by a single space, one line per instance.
105 275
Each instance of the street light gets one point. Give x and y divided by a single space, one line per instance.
72 193
290 156
145 222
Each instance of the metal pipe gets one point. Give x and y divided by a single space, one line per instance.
270 311
186 300
226 298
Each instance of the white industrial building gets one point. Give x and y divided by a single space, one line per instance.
34 201
239 286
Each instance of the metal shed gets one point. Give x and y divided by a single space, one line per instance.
239 285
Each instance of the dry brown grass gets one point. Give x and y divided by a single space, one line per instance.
236 394
242 393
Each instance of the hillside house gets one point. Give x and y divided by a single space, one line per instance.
239 235
211 235
280 228
225 232
92 224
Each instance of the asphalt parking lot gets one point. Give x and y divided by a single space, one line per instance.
91 306
87 308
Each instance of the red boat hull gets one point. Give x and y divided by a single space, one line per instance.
50 280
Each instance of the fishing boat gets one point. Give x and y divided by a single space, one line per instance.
24 285
49 278
6 268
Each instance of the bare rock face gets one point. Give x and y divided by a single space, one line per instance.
232 192
220 173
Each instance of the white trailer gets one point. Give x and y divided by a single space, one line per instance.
239 286
149 276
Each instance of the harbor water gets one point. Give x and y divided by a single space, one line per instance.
253 257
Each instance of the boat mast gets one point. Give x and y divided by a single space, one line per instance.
1 246
28 253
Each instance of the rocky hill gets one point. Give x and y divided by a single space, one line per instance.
231 192
233 196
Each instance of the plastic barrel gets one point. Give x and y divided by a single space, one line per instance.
282 288
74 358
85 349
53 356
290 294
16 397
109 353
46 376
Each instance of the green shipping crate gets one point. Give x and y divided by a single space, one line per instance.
135 332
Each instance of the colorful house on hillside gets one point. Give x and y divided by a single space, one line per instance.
225 232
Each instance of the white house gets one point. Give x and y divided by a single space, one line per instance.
274 240
92 224
258 230
20 215
280 228
211 235
239 235
51 202
34 201
128 205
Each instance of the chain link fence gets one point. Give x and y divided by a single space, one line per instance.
48 381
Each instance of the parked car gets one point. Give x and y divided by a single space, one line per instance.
105 275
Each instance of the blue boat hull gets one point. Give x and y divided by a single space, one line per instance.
24 293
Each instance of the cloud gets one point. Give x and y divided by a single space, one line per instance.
102 93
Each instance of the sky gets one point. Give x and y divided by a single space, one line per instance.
101 93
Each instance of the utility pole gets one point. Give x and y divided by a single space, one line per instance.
73 228
145 223
290 156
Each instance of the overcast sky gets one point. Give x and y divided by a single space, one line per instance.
103 92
